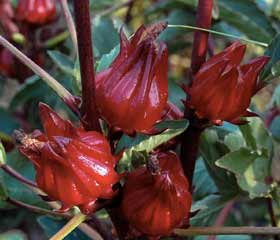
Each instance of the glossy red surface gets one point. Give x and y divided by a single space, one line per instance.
222 89
132 92
72 166
36 11
156 204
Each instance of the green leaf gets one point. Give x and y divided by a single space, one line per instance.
176 94
106 59
256 135
250 168
211 149
247 18
13 235
105 35
7 122
209 208
53 225
175 128
2 154
204 185
3 190
33 87
270 70
62 61
234 141
16 189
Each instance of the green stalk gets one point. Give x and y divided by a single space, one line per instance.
69 227
219 33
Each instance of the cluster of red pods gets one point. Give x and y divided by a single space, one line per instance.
25 19
77 168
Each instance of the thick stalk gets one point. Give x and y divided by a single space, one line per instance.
190 138
194 231
203 20
90 114
189 151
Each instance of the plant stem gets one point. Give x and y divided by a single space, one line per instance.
90 114
223 216
67 97
18 176
193 231
219 33
203 20
189 151
70 23
272 215
56 40
190 138
69 227
37 209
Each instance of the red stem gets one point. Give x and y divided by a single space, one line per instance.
273 218
90 113
189 151
203 20
222 217
190 138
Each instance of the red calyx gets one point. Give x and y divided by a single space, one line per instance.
36 11
72 166
132 93
156 203
222 89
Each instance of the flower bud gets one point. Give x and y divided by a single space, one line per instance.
155 202
36 11
132 92
72 166
222 89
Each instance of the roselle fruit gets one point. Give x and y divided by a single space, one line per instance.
222 89
156 200
36 11
132 92
72 166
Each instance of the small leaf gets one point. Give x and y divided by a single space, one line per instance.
250 168
106 59
152 142
211 149
204 185
247 18
256 135
234 141
16 189
33 87
7 122
270 71
62 61
210 207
